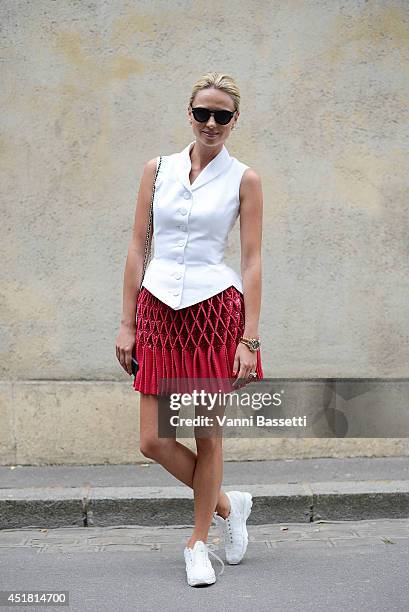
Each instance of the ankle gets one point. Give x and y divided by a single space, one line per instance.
224 514
223 510
192 541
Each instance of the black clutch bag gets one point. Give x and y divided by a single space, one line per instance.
148 242
135 364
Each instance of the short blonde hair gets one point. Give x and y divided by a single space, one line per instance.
218 80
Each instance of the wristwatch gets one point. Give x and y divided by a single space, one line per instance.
252 343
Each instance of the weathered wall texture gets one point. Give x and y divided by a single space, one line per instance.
92 90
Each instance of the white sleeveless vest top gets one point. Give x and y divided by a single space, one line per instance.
191 223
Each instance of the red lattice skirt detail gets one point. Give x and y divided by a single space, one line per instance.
195 342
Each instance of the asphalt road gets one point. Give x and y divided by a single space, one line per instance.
294 567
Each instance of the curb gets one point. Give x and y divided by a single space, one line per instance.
306 502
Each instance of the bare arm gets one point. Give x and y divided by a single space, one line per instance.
251 219
136 249
125 340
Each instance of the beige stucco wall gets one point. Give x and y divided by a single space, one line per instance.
91 91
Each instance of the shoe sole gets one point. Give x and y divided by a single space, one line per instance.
201 582
247 506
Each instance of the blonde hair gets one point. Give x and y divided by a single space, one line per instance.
218 80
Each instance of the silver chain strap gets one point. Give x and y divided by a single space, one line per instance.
148 241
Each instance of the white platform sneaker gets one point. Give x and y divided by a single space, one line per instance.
199 570
233 529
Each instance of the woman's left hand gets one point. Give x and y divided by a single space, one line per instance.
245 361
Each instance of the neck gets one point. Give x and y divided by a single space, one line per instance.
200 155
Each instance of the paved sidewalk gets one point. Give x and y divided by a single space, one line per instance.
299 490
294 567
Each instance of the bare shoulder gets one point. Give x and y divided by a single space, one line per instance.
148 174
251 177
150 166
250 181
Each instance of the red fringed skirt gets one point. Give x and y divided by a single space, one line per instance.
195 342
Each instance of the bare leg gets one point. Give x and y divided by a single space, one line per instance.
207 481
208 474
175 457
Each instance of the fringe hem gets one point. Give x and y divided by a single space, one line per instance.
164 371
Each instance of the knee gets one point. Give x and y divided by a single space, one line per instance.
152 447
209 445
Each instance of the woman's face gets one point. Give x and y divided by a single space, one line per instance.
212 134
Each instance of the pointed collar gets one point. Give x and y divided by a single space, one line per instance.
214 167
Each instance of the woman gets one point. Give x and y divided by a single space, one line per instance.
196 318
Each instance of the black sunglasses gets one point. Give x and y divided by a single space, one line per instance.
222 117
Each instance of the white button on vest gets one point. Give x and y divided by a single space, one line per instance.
213 210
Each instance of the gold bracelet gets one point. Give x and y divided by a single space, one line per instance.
252 343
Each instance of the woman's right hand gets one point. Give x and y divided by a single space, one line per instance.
124 345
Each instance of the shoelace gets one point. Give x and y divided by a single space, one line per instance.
229 529
209 550
216 557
